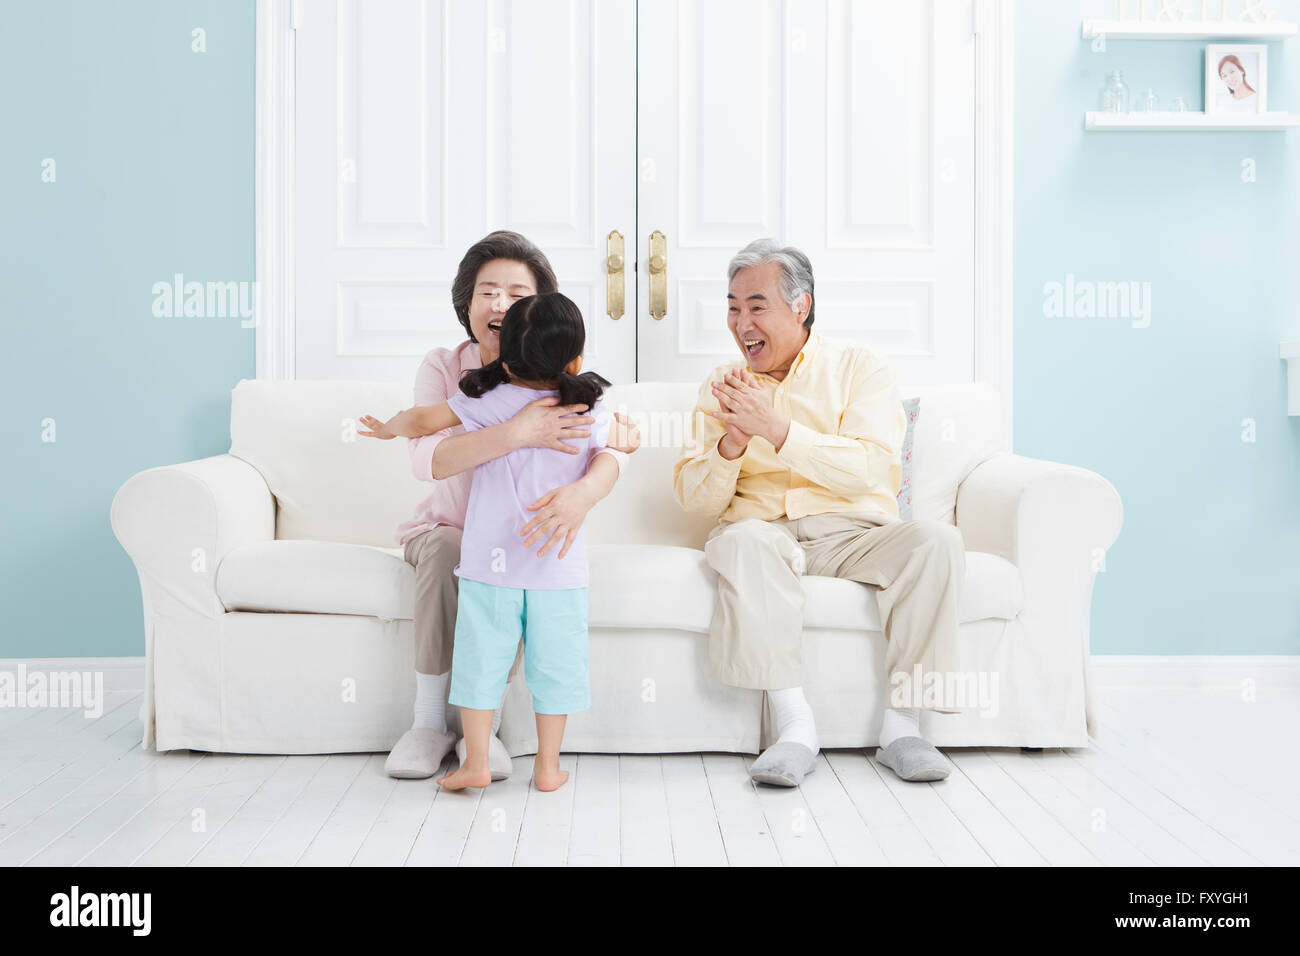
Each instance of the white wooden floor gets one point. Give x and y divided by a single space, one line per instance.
1177 777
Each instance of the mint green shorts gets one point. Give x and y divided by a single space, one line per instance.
490 622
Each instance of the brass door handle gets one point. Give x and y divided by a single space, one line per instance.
614 281
658 275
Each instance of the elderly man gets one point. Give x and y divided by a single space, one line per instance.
798 453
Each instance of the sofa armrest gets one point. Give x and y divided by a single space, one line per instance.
177 522
1054 522
1028 510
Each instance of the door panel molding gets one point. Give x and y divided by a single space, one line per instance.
398 156
524 192
855 160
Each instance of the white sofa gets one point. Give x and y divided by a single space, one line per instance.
277 608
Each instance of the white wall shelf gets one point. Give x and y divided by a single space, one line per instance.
1194 30
1188 121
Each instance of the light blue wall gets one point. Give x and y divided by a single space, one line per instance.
154 151
1209 558
154 146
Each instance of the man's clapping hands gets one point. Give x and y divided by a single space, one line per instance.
746 411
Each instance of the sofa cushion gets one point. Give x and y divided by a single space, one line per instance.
642 507
324 577
632 586
653 586
912 409
993 590
329 483
959 430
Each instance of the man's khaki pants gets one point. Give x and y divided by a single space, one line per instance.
757 629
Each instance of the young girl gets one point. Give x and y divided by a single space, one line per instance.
508 592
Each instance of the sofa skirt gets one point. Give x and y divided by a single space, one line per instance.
286 683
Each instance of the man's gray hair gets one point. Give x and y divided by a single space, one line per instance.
796 270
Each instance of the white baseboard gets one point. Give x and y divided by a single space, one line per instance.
120 673
1195 672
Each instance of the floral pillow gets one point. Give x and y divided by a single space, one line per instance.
912 407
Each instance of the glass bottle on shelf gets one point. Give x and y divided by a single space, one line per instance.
1179 105
1114 95
1148 102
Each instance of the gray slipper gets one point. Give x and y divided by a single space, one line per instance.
914 759
418 753
499 762
783 765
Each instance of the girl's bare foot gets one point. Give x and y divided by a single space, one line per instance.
547 774
466 777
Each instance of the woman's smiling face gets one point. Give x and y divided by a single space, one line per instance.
1231 76
499 285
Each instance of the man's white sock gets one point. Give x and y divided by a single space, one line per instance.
431 701
902 722
794 717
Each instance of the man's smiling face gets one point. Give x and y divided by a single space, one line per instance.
768 332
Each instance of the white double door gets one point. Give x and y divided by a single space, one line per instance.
844 127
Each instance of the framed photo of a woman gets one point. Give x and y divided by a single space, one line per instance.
1236 78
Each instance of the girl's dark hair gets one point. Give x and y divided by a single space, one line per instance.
540 336
501 244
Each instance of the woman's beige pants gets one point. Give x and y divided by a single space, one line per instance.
435 555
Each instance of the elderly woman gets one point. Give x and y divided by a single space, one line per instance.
495 273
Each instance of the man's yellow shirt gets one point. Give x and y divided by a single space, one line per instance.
843 452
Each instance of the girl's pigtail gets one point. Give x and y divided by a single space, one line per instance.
479 381
582 389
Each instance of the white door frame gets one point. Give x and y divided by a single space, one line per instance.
274 189
994 154
994 190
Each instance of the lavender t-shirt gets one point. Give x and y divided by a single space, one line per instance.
491 549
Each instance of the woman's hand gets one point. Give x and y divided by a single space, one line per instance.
377 428
542 424
623 435
560 514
